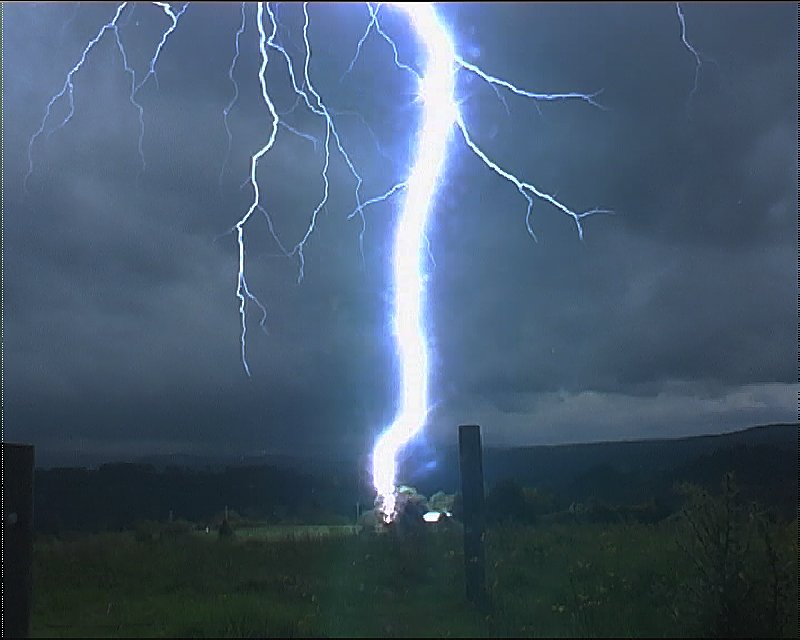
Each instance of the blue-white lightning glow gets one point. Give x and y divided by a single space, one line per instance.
440 112
242 292
69 88
227 110
440 120
440 116
697 60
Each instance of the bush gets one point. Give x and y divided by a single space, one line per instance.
742 565
146 531
508 501
505 502
177 528
441 501
225 529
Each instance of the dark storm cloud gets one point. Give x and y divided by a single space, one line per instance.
706 216
676 315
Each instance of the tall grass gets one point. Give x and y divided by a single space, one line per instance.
551 580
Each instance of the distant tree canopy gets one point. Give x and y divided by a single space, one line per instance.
607 482
116 496
509 501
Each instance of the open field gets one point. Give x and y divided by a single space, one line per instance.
549 580
299 532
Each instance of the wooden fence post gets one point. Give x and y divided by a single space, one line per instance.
17 539
471 463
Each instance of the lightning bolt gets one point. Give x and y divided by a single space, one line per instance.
174 17
316 105
226 111
698 62
441 115
151 71
441 122
242 292
436 90
69 88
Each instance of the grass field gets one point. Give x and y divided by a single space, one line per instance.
549 580
298 532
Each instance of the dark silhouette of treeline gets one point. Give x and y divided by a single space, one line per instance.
612 481
764 476
764 460
116 496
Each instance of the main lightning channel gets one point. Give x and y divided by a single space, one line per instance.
441 116
440 113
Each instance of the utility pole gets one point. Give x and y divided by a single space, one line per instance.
471 463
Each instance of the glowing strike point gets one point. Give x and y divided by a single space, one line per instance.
440 113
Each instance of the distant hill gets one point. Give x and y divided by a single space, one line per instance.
555 464
628 471
616 471
113 495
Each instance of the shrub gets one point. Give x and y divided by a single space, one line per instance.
505 502
741 566
177 528
146 531
225 529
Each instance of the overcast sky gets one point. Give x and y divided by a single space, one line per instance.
674 316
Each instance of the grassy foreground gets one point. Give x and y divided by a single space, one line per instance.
548 580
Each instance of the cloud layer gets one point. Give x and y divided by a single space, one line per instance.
676 315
